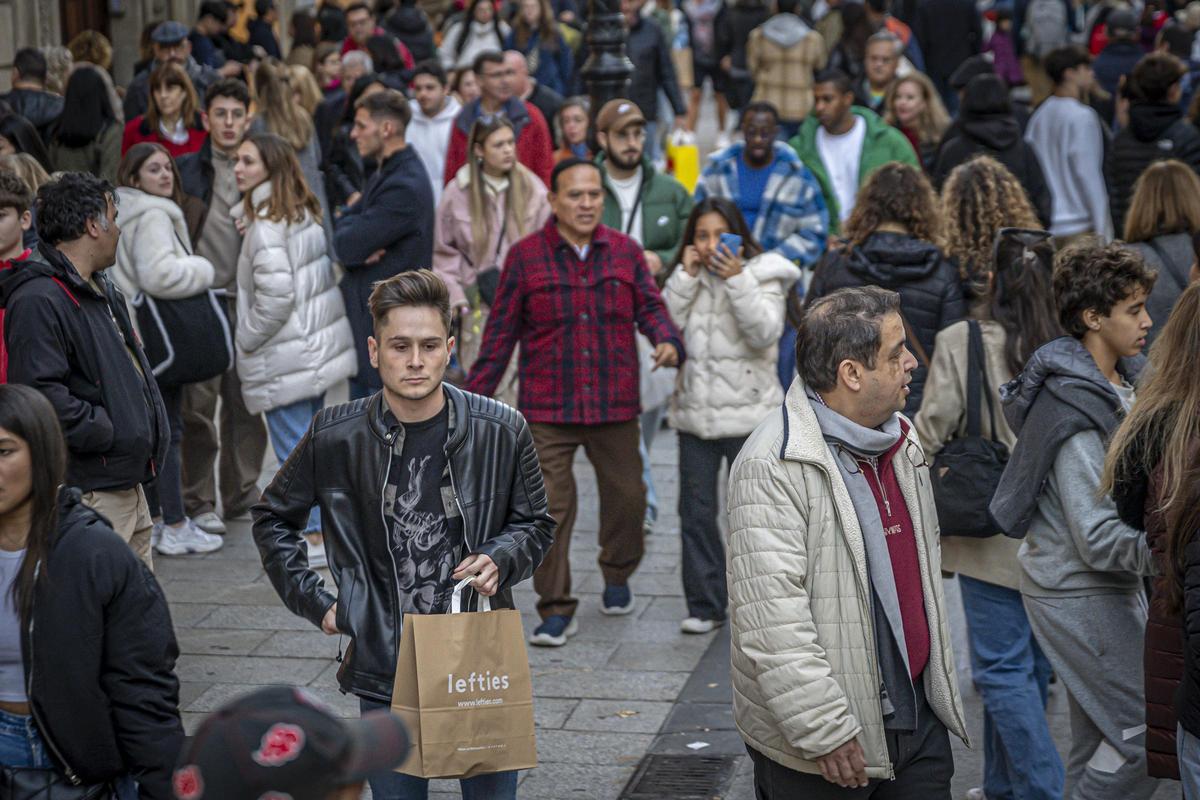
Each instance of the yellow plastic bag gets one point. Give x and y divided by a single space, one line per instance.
683 158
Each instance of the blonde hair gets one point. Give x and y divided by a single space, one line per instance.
933 121
305 85
979 198
27 168
1166 199
290 196
274 103
520 191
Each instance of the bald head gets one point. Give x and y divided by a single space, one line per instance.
520 72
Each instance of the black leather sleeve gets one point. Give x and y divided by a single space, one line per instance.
279 521
529 530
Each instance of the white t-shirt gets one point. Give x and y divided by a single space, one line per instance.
627 197
841 155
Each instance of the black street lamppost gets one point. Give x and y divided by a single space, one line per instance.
607 70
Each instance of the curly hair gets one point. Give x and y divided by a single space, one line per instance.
1090 276
979 198
66 205
899 194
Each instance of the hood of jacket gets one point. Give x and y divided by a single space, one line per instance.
513 108
407 20
889 259
1064 367
448 113
785 30
1150 121
45 262
996 130
135 203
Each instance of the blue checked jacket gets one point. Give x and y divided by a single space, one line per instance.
792 219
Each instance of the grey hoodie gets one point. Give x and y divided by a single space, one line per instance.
1062 409
785 30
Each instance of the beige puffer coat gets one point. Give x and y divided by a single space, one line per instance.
731 329
806 676
293 339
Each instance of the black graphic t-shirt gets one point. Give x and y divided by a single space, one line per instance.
426 534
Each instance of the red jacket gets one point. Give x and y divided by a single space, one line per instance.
535 148
349 45
137 130
575 320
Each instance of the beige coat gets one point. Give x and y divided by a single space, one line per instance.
731 329
783 76
805 671
943 416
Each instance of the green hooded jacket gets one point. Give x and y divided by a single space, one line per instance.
665 208
882 144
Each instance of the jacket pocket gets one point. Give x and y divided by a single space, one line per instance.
345 587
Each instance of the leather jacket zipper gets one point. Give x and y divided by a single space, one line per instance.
387 535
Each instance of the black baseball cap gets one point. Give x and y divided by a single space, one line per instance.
283 742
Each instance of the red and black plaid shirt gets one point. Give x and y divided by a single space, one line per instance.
574 319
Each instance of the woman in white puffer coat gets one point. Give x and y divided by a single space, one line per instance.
154 257
293 340
731 312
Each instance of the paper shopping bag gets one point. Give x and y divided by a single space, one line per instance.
684 157
464 690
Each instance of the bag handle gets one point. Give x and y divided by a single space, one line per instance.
485 602
911 339
977 382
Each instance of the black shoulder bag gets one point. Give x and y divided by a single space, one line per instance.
967 470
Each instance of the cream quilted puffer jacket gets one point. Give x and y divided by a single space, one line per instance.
731 329
806 676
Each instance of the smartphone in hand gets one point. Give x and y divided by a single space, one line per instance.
731 242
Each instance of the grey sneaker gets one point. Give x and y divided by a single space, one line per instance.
209 522
187 540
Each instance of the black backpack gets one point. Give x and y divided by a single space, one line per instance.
967 470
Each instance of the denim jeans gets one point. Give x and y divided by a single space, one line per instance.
651 421
286 426
396 786
1013 677
1187 747
20 743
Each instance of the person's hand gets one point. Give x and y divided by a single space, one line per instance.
845 766
691 260
375 257
665 355
680 123
727 63
487 574
231 69
653 262
329 622
724 265
352 199
240 223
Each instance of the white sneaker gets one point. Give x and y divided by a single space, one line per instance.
156 534
187 540
316 555
723 140
209 522
697 625
976 794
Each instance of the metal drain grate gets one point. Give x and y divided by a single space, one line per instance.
661 777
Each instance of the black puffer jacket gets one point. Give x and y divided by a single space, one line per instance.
995 132
931 295
410 25
1155 132
72 340
99 655
341 464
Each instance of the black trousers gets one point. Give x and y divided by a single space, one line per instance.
923 762
704 582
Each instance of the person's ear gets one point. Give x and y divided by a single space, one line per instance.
849 374
602 140
204 121
373 351
1091 319
26 220
450 343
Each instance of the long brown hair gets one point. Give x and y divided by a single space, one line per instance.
171 74
979 198
1163 431
290 196
275 104
547 29
899 194
520 191
933 121
27 414
135 157
305 87
1166 199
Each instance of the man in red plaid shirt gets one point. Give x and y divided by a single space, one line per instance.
571 294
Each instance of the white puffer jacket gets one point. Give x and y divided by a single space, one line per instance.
154 254
731 329
293 340
806 675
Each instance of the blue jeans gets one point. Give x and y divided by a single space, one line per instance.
1013 676
286 426
20 743
396 786
651 421
1187 748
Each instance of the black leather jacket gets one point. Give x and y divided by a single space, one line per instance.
342 464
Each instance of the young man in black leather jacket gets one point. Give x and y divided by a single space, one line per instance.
420 485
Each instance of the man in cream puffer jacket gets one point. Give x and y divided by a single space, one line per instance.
843 675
